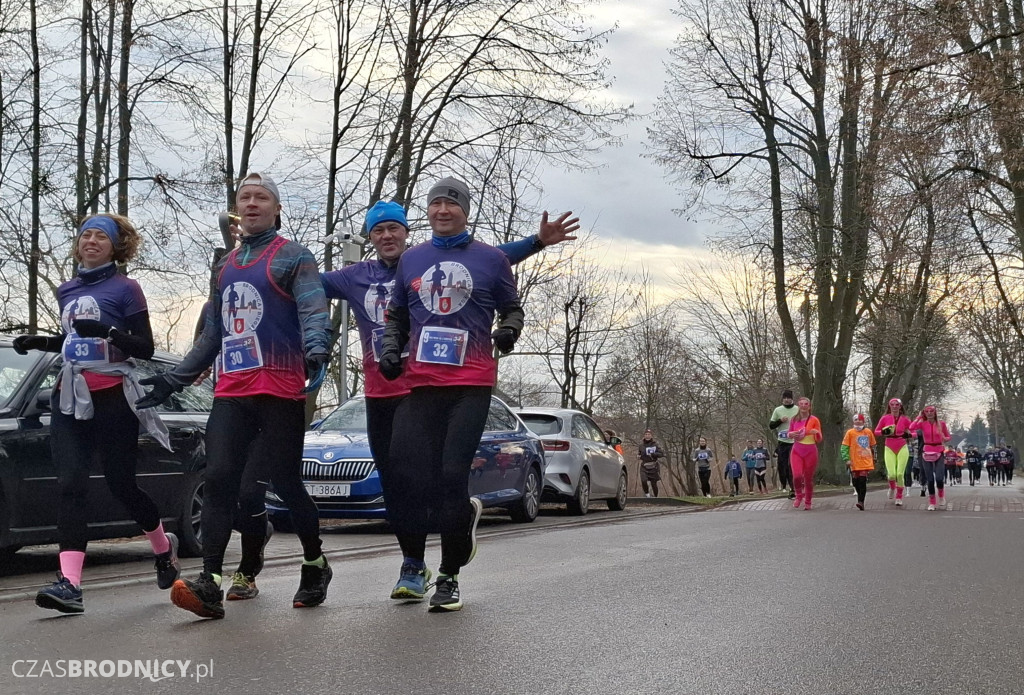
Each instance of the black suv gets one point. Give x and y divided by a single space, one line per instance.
29 498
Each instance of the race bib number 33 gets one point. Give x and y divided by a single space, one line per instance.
442 346
85 350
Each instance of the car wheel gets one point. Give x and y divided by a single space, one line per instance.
526 509
189 532
581 500
618 503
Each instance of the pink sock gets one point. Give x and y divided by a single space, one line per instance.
899 493
931 499
71 562
892 484
158 539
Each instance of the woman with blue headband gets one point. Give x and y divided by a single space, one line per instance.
104 323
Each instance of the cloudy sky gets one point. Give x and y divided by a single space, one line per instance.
625 199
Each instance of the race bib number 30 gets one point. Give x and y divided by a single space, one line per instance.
442 346
240 353
85 350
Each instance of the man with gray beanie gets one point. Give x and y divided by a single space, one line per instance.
442 309
270 328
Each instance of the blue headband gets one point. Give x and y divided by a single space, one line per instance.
104 224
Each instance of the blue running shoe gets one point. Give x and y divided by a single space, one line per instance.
62 596
412 583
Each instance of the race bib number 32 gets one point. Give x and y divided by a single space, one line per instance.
442 346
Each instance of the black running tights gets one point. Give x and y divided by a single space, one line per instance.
112 436
258 438
430 459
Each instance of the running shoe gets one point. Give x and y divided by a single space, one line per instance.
922 493
890 494
446 595
860 506
796 503
201 595
61 596
412 583
313 585
942 502
242 588
478 509
931 507
168 569
899 501
807 507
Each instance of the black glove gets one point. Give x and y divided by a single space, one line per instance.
314 362
88 328
390 366
24 343
505 339
162 390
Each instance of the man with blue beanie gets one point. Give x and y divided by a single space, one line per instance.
367 287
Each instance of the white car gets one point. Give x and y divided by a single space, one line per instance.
581 464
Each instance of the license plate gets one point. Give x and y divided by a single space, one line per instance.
328 489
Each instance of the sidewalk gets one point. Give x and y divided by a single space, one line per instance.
960 498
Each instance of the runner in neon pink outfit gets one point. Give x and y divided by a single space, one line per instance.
895 426
936 434
805 431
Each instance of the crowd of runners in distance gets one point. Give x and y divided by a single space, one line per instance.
914 450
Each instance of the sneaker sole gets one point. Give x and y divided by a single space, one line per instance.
240 596
55 604
174 563
185 598
478 510
446 608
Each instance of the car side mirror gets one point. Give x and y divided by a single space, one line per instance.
43 399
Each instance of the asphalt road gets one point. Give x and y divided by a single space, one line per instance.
753 598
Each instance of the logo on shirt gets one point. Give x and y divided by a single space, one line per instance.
376 300
445 287
241 308
80 308
862 441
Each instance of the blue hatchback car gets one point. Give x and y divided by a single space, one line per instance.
339 474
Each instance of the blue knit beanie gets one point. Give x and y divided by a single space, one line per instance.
385 212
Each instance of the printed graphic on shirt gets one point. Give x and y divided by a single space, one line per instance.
77 349
444 288
376 300
702 456
241 308
82 308
864 442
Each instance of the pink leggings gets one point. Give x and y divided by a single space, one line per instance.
803 459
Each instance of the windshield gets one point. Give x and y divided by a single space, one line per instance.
13 368
541 425
350 416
